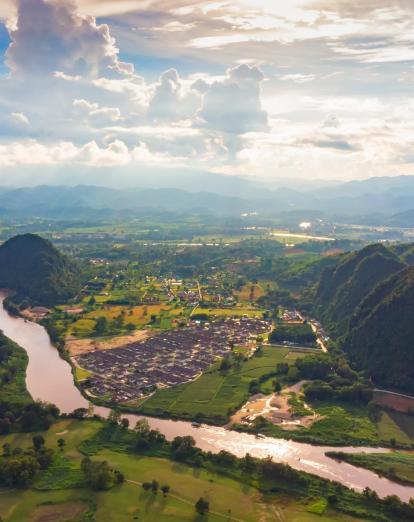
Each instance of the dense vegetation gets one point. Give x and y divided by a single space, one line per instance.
343 286
380 339
293 333
367 302
36 270
13 363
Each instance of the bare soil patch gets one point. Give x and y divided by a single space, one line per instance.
394 402
276 409
59 512
77 347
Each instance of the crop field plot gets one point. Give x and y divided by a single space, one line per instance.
397 426
249 292
230 312
159 315
213 394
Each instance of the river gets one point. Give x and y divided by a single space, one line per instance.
49 379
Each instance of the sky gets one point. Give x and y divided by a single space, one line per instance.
308 89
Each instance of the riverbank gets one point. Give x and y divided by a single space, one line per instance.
49 378
397 466
242 490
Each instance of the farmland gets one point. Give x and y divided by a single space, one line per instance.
128 501
216 393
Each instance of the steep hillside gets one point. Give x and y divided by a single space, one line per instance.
34 268
381 336
344 286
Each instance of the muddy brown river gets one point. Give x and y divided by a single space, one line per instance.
49 379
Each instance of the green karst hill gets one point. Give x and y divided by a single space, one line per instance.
367 302
34 268
381 336
344 286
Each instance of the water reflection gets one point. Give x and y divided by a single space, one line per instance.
49 379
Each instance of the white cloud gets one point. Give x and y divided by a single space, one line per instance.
52 37
234 104
172 100
31 152
98 115
19 118
297 78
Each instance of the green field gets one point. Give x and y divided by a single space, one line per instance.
397 426
129 501
214 394
397 466
230 312
349 424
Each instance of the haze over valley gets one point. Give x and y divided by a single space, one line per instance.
206 261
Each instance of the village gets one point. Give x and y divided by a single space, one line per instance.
167 359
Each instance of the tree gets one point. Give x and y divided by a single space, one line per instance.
183 447
101 326
202 506
6 449
38 442
142 426
277 386
114 417
165 489
282 368
154 487
130 327
146 486
225 364
118 322
98 474
61 444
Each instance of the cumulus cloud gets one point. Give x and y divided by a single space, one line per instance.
32 152
172 100
234 105
51 37
97 114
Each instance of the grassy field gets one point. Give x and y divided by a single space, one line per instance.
230 312
397 466
129 501
139 316
215 393
346 424
249 292
397 426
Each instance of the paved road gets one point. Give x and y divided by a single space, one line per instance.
394 393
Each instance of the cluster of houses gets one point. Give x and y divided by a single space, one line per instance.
169 358
291 315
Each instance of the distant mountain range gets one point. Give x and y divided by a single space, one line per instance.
376 201
366 302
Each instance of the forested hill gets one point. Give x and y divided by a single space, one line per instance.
366 302
35 269
343 286
381 334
